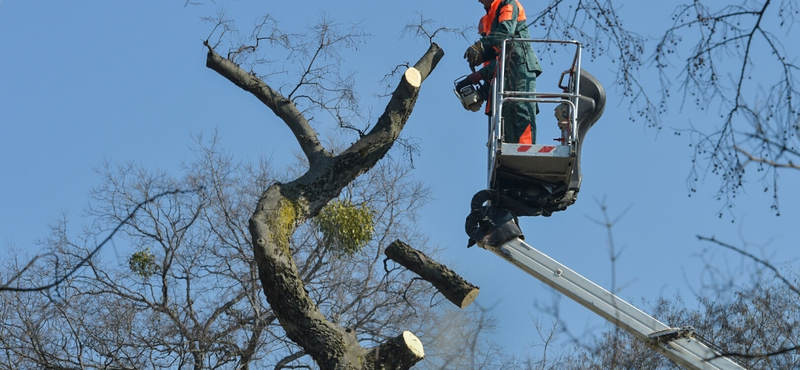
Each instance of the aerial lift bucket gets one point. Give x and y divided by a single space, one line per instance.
545 178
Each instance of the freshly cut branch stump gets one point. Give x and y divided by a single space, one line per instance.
447 282
400 352
413 77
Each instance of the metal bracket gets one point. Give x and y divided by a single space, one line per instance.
668 335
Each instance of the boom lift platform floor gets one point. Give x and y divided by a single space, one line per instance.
544 163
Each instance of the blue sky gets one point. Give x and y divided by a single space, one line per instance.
86 82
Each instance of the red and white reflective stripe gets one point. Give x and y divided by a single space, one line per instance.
543 149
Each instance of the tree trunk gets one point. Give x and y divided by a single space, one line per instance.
283 207
447 282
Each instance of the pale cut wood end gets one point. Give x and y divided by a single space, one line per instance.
413 77
414 344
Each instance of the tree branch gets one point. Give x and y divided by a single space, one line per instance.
760 261
447 282
85 260
280 105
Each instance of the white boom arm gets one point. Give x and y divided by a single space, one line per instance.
677 344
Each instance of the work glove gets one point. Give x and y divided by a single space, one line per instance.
472 79
474 54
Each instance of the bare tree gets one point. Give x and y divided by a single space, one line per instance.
285 206
758 328
748 311
183 290
187 296
184 296
736 65
728 60
12 282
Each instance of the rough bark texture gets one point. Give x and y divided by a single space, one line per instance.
283 207
447 282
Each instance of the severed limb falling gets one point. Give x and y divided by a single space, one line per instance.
447 282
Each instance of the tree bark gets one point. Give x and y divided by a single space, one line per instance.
447 282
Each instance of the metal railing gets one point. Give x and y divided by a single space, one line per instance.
569 95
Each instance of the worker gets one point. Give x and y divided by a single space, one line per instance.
506 19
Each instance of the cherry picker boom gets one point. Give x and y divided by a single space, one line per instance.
678 344
532 180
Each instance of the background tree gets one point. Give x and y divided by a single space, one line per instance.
187 293
729 60
746 310
758 328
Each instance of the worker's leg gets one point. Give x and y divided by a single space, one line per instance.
529 110
520 117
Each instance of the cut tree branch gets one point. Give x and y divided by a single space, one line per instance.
447 282
400 352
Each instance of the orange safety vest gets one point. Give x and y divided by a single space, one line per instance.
484 27
501 15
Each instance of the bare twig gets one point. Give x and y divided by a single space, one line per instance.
58 280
